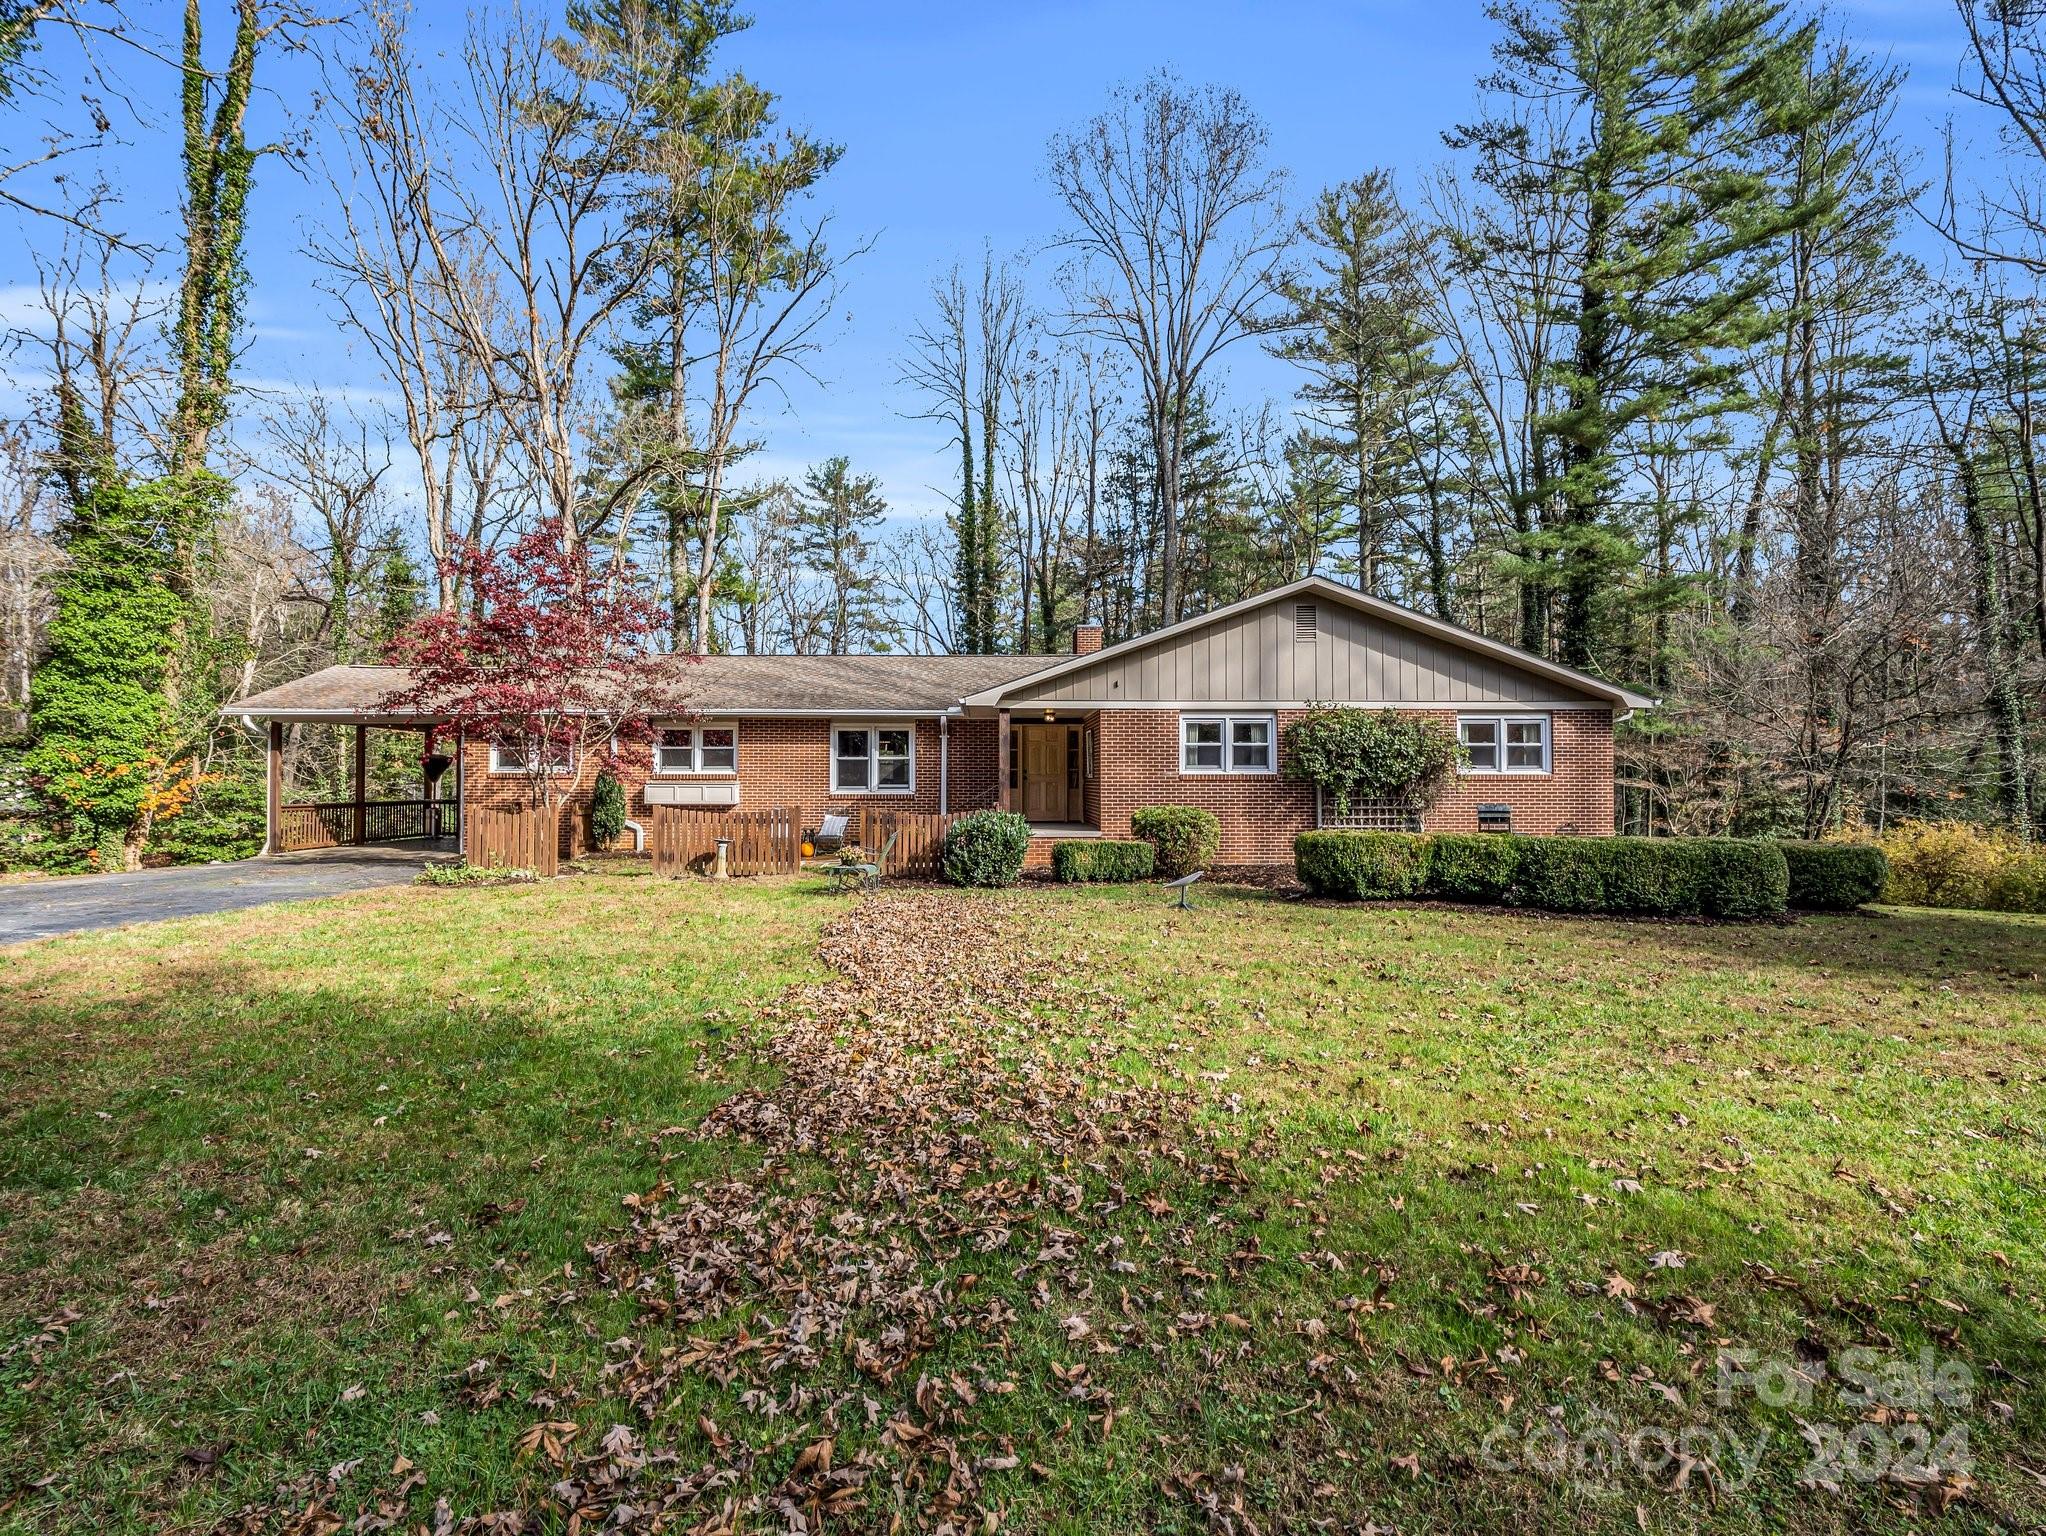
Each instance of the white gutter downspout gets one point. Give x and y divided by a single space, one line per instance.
944 764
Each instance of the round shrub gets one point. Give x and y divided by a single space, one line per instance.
607 809
1834 877
1479 866
986 848
1362 866
1101 860
1186 837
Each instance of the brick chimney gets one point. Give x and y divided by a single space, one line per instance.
1086 639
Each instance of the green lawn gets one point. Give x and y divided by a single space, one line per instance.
1042 1210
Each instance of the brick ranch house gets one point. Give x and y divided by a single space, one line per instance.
1187 715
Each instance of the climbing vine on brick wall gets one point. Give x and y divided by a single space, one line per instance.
1361 754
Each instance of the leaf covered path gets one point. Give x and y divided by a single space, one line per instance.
923 1137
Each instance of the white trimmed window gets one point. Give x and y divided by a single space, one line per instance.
696 749
873 759
1228 744
512 757
1504 743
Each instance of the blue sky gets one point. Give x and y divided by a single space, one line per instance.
944 111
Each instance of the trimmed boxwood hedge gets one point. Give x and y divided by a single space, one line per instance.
1834 877
1102 859
1361 866
1645 876
1472 866
1739 877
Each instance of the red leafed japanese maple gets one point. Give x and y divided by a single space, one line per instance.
552 661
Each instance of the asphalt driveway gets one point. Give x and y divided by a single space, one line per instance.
40 909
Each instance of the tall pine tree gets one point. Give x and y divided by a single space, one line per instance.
1355 324
834 537
1649 122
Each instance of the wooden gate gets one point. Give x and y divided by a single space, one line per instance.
684 839
521 837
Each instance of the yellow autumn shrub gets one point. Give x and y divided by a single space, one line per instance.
1959 864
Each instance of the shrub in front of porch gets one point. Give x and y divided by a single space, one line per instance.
986 848
1102 860
1186 837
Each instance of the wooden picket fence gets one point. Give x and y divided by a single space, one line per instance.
518 837
919 838
683 839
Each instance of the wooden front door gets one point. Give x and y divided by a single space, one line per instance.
1044 774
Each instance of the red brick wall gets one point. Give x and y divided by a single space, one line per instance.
1262 813
782 762
788 762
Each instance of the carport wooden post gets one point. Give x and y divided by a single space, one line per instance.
361 779
273 811
461 794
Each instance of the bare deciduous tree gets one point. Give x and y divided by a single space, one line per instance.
1177 246
1047 468
488 266
387 276
335 471
29 557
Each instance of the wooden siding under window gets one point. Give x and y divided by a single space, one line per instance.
1351 656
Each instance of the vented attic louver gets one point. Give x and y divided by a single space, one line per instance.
1304 623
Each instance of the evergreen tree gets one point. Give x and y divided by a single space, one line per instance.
123 704
113 747
733 289
839 511
1356 324
1648 123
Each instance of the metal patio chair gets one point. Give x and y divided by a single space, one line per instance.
859 877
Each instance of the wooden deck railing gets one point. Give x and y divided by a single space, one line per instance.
331 823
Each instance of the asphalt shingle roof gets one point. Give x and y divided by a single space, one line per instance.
712 685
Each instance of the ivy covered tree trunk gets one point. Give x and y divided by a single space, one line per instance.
217 164
1992 623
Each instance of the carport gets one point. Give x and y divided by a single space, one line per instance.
352 697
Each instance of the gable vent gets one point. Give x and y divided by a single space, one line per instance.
1304 623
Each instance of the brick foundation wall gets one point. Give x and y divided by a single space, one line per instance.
1262 813
782 762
